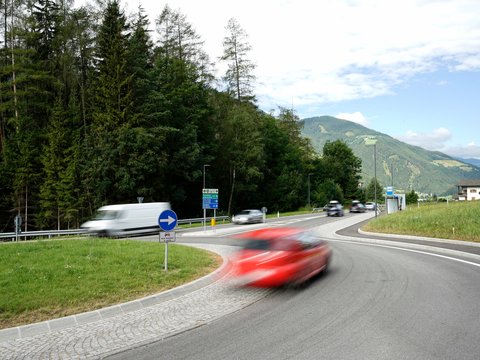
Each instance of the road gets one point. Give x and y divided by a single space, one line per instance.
382 298
379 300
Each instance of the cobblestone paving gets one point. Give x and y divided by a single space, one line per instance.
98 339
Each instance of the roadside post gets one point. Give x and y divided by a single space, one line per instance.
18 226
167 222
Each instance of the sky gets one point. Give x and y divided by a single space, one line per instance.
409 69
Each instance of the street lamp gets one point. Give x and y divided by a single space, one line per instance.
204 209
392 165
309 190
373 141
204 166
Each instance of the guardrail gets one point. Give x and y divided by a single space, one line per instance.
52 233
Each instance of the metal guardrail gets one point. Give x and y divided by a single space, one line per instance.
200 220
52 233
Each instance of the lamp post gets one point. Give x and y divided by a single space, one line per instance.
204 166
204 209
391 166
373 141
309 190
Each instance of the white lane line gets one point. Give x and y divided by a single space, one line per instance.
411 250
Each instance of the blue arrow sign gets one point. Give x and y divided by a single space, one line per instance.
167 220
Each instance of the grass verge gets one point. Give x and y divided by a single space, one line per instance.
454 220
43 280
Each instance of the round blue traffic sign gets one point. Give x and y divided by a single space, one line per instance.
167 220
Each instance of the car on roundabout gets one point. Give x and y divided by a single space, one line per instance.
357 207
249 216
334 208
370 205
276 257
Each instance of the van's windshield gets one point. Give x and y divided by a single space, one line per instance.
107 215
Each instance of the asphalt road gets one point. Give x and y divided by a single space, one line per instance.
378 300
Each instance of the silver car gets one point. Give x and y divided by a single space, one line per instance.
248 217
335 209
370 206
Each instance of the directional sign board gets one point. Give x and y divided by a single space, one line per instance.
167 220
210 198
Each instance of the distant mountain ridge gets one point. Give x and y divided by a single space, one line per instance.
474 162
405 166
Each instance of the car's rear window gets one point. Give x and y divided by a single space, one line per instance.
256 244
265 245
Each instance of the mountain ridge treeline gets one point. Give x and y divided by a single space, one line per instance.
94 112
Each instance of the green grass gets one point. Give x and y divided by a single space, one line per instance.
41 280
454 220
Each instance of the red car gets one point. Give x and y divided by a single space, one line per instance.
279 256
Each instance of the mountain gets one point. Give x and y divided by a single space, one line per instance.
474 162
405 166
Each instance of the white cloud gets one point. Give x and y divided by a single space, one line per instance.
312 52
469 151
434 141
438 140
356 117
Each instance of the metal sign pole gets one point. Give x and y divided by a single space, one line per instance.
204 220
166 255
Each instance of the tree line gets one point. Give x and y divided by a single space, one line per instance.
95 110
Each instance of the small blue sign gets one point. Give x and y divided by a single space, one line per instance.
210 203
167 220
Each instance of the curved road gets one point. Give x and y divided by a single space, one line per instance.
382 298
377 301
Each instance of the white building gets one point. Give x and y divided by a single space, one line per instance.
468 190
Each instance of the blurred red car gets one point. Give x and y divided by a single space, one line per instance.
279 256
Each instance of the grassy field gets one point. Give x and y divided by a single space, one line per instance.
49 279
454 220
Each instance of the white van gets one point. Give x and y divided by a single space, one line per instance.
126 219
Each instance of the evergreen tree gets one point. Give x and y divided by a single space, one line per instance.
140 64
411 197
29 102
180 102
108 175
53 165
239 77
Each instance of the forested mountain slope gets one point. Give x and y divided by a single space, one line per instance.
407 167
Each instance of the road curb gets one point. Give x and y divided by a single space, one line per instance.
406 245
421 238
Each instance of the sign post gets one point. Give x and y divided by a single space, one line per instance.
18 226
209 201
167 222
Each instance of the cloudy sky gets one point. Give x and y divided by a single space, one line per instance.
410 68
